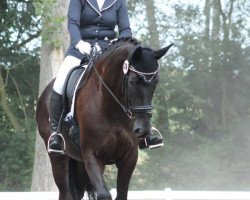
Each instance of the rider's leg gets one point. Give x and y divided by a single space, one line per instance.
55 143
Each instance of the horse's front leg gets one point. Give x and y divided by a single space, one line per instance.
60 172
95 168
125 171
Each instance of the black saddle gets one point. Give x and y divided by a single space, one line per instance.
75 80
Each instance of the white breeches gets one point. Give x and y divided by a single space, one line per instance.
68 63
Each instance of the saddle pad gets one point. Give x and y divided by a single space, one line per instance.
74 81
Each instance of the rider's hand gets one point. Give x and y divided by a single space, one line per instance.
98 48
114 40
83 47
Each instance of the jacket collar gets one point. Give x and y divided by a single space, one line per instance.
107 4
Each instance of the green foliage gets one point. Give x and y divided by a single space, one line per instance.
19 70
46 9
16 158
202 103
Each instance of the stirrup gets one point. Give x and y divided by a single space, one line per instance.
54 150
144 144
153 129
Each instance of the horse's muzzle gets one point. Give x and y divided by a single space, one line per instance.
142 126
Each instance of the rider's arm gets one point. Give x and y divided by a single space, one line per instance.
123 21
74 18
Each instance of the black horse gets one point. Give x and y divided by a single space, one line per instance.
112 111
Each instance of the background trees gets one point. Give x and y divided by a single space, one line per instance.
205 94
54 44
201 105
19 72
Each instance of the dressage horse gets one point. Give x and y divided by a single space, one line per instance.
113 111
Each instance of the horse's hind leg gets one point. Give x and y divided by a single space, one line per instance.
60 173
125 171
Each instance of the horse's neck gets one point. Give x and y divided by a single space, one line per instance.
111 88
113 78
110 68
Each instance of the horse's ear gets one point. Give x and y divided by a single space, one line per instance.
161 52
135 53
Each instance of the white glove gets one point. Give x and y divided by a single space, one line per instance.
114 40
98 48
83 47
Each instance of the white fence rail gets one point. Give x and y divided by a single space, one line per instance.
166 194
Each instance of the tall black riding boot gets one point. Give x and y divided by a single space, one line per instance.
56 141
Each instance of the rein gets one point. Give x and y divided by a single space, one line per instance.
127 111
93 53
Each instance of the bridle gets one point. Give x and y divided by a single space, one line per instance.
129 110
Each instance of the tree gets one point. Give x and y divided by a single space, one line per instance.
205 92
206 117
54 43
18 91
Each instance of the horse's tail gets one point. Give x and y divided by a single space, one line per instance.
79 181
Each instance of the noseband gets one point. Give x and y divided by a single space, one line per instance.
131 111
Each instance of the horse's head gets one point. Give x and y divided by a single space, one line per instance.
138 81
141 75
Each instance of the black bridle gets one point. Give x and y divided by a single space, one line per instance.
129 110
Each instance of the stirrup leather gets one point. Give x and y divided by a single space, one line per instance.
54 150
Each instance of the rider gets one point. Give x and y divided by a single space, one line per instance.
90 23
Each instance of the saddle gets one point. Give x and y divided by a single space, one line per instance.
75 80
